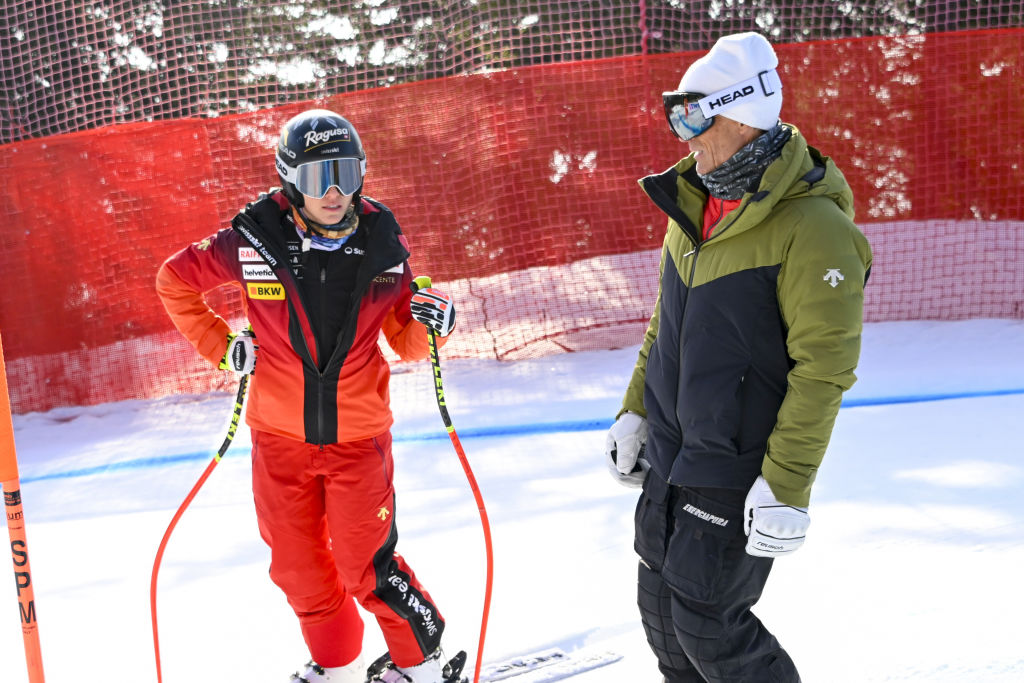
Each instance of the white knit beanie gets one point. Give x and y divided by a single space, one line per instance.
731 61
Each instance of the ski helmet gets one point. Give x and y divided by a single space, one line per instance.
317 150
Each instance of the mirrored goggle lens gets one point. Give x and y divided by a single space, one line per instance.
316 178
684 114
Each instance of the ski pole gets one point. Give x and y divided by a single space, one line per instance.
422 282
232 428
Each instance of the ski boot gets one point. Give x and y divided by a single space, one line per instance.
314 673
430 671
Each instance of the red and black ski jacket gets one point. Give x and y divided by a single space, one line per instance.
304 387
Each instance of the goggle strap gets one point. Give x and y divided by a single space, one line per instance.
767 83
288 172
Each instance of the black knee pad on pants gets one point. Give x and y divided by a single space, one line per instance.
697 584
654 599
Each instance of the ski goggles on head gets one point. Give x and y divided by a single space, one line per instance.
317 177
690 113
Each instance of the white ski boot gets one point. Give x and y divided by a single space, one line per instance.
429 670
353 672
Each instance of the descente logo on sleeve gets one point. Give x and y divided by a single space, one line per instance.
265 291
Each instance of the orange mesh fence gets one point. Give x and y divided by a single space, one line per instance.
517 181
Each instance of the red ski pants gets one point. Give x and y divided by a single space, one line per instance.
327 513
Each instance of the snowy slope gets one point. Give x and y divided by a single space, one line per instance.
909 572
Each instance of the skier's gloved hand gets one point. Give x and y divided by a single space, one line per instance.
241 353
432 307
624 447
773 529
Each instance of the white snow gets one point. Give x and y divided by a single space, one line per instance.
911 570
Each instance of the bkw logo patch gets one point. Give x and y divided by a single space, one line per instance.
265 291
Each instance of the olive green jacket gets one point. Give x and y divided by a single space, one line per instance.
756 331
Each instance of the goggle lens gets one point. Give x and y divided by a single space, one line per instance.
316 178
684 114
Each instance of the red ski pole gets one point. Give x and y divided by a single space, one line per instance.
420 283
235 417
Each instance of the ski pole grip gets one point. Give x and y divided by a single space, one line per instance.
418 283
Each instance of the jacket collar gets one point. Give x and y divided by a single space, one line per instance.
800 170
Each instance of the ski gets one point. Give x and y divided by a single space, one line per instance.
547 666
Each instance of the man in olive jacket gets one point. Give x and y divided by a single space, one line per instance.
754 338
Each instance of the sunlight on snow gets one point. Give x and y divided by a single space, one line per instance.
968 473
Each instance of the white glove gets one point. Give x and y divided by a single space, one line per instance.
772 528
624 448
434 309
241 353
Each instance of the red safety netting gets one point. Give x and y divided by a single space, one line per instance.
70 65
520 179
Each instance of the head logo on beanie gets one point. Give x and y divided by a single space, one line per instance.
739 71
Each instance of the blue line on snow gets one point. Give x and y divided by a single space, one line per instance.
486 432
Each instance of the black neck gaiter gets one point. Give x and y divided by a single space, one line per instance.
742 172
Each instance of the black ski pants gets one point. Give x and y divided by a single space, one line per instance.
696 587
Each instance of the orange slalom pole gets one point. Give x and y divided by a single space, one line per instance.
16 529
419 283
439 391
236 416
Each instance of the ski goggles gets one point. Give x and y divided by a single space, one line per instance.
690 113
315 178
685 117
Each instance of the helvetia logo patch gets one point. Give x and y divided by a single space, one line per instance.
257 272
274 292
